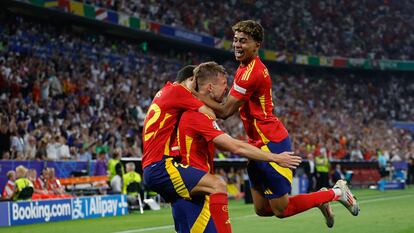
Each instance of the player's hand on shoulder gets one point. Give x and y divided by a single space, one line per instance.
288 159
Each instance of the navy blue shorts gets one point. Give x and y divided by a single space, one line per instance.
274 180
193 216
172 180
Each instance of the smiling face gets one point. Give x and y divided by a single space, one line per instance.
245 47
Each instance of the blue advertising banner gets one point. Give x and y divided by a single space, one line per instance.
4 214
187 35
99 206
29 212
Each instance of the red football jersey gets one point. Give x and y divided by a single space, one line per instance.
161 119
252 83
195 134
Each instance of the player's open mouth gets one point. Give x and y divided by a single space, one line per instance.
238 53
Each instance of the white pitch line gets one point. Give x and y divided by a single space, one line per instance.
147 229
250 216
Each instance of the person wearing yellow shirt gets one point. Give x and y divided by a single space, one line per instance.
24 187
116 158
129 177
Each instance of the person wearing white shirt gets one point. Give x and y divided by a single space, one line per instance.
62 149
116 181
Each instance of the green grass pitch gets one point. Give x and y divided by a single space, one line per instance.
381 212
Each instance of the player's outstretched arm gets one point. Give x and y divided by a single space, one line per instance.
224 110
227 143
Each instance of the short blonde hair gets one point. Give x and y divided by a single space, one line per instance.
208 71
21 171
10 173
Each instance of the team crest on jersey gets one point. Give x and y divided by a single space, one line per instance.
215 125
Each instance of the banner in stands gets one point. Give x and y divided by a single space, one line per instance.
187 35
28 212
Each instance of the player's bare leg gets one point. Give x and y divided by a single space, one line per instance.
279 205
209 184
261 204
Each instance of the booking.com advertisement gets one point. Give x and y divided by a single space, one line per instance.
28 212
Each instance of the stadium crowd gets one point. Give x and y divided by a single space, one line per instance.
66 95
362 29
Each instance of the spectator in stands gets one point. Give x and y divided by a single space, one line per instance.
53 184
30 148
337 174
100 168
131 148
41 153
234 183
6 156
322 171
84 154
356 154
310 172
129 177
51 148
10 186
39 184
23 186
382 163
116 159
62 149
5 136
39 192
117 181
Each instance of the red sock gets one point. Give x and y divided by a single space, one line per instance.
302 202
219 212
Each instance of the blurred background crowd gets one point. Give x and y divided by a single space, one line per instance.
69 95
367 28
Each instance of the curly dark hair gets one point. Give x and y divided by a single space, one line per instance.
250 27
